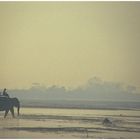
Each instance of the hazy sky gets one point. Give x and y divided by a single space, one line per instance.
67 43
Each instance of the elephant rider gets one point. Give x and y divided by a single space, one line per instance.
5 93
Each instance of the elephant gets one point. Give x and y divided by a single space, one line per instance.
7 104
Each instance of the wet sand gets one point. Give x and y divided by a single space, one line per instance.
71 123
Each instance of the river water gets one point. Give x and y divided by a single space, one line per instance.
71 123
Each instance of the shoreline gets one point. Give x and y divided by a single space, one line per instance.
86 108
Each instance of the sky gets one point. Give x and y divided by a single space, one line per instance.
67 43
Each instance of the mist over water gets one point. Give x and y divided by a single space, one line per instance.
96 93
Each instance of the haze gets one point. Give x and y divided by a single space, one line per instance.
67 43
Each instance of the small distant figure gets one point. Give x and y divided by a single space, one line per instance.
0 93
106 121
5 93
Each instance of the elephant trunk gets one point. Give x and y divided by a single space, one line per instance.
18 107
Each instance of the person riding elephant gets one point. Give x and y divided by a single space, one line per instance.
5 93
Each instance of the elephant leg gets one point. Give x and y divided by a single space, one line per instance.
6 112
12 112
